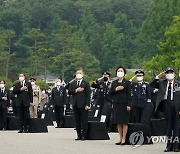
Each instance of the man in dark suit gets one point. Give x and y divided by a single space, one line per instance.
4 103
59 102
23 90
104 99
80 91
168 96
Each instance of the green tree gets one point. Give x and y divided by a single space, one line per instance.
169 50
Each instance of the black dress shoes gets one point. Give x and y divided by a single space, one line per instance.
168 150
20 131
78 138
123 143
118 143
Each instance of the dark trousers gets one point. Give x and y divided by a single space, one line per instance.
3 118
172 123
23 113
107 112
81 119
59 113
138 113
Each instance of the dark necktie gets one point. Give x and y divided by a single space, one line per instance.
169 92
78 83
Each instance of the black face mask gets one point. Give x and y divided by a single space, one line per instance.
105 78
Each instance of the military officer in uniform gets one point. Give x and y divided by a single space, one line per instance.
4 103
103 85
168 97
36 98
141 95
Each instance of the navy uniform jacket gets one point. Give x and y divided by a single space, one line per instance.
104 89
141 94
3 103
59 97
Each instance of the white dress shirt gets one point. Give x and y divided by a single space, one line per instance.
172 86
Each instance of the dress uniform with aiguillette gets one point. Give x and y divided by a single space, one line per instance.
141 95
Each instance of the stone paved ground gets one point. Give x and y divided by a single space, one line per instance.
61 141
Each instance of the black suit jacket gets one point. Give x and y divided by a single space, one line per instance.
162 85
4 104
59 97
81 99
122 96
23 97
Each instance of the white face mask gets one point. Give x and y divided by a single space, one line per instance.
32 83
21 79
43 92
79 76
58 83
120 74
139 78
49 91
1 85
170 76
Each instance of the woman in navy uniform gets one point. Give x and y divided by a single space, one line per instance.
121 93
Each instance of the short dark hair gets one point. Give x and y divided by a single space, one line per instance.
22 73
3 81
79 69
122 68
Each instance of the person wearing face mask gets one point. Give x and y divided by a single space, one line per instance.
80 91
104 99
4 103
59 102
44 99
23 90
36 98
141 95
169 98
121 95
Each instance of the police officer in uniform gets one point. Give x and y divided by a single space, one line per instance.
104 99
141 95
